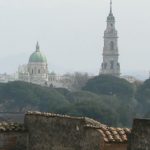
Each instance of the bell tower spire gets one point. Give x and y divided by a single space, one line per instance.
110 64
110 6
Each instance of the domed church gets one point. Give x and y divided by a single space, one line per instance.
38 67
36 71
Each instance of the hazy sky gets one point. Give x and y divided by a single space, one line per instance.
70 33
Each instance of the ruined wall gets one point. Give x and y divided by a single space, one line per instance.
140 136
13 141
92 140
60 133
46 131
119 146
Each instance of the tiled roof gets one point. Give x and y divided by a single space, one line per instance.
117 135
46 114
7 127
113 135
110 134
87 121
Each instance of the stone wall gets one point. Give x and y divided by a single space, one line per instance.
13 141
112 146
47 131
140 136
60 133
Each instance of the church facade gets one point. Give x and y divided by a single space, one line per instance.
110 64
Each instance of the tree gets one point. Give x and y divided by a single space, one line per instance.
143 97
110 85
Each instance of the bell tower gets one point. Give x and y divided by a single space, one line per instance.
110 63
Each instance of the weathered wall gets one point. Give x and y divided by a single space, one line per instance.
140 136
13 141
122 146
92 140
58 133
46 131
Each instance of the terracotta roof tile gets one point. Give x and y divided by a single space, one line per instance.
114 132
6 127
88 121
106 140
114 135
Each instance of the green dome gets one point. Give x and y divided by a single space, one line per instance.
37 56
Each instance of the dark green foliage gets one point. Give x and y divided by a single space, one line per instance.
94 106
147 115
110 85
143 97
19 95
143 92
108 99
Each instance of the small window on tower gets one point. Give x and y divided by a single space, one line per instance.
111 25
112 45
112 65
39 71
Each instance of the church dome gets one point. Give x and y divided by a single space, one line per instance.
37 56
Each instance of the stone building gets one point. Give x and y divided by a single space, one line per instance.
38 67
46 131
36 72
140 135
4 78
110 64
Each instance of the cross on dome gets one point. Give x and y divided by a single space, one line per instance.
37 47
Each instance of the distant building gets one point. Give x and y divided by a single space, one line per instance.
130 79
4 78
110 64
36 71
38 67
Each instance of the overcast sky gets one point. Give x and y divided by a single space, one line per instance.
70 33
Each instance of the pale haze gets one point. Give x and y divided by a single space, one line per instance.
70 34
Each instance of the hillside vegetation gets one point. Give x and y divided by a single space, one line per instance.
110 100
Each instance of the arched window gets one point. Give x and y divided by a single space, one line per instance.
39 71
112 45
32 71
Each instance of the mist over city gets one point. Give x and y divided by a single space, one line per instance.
70 33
